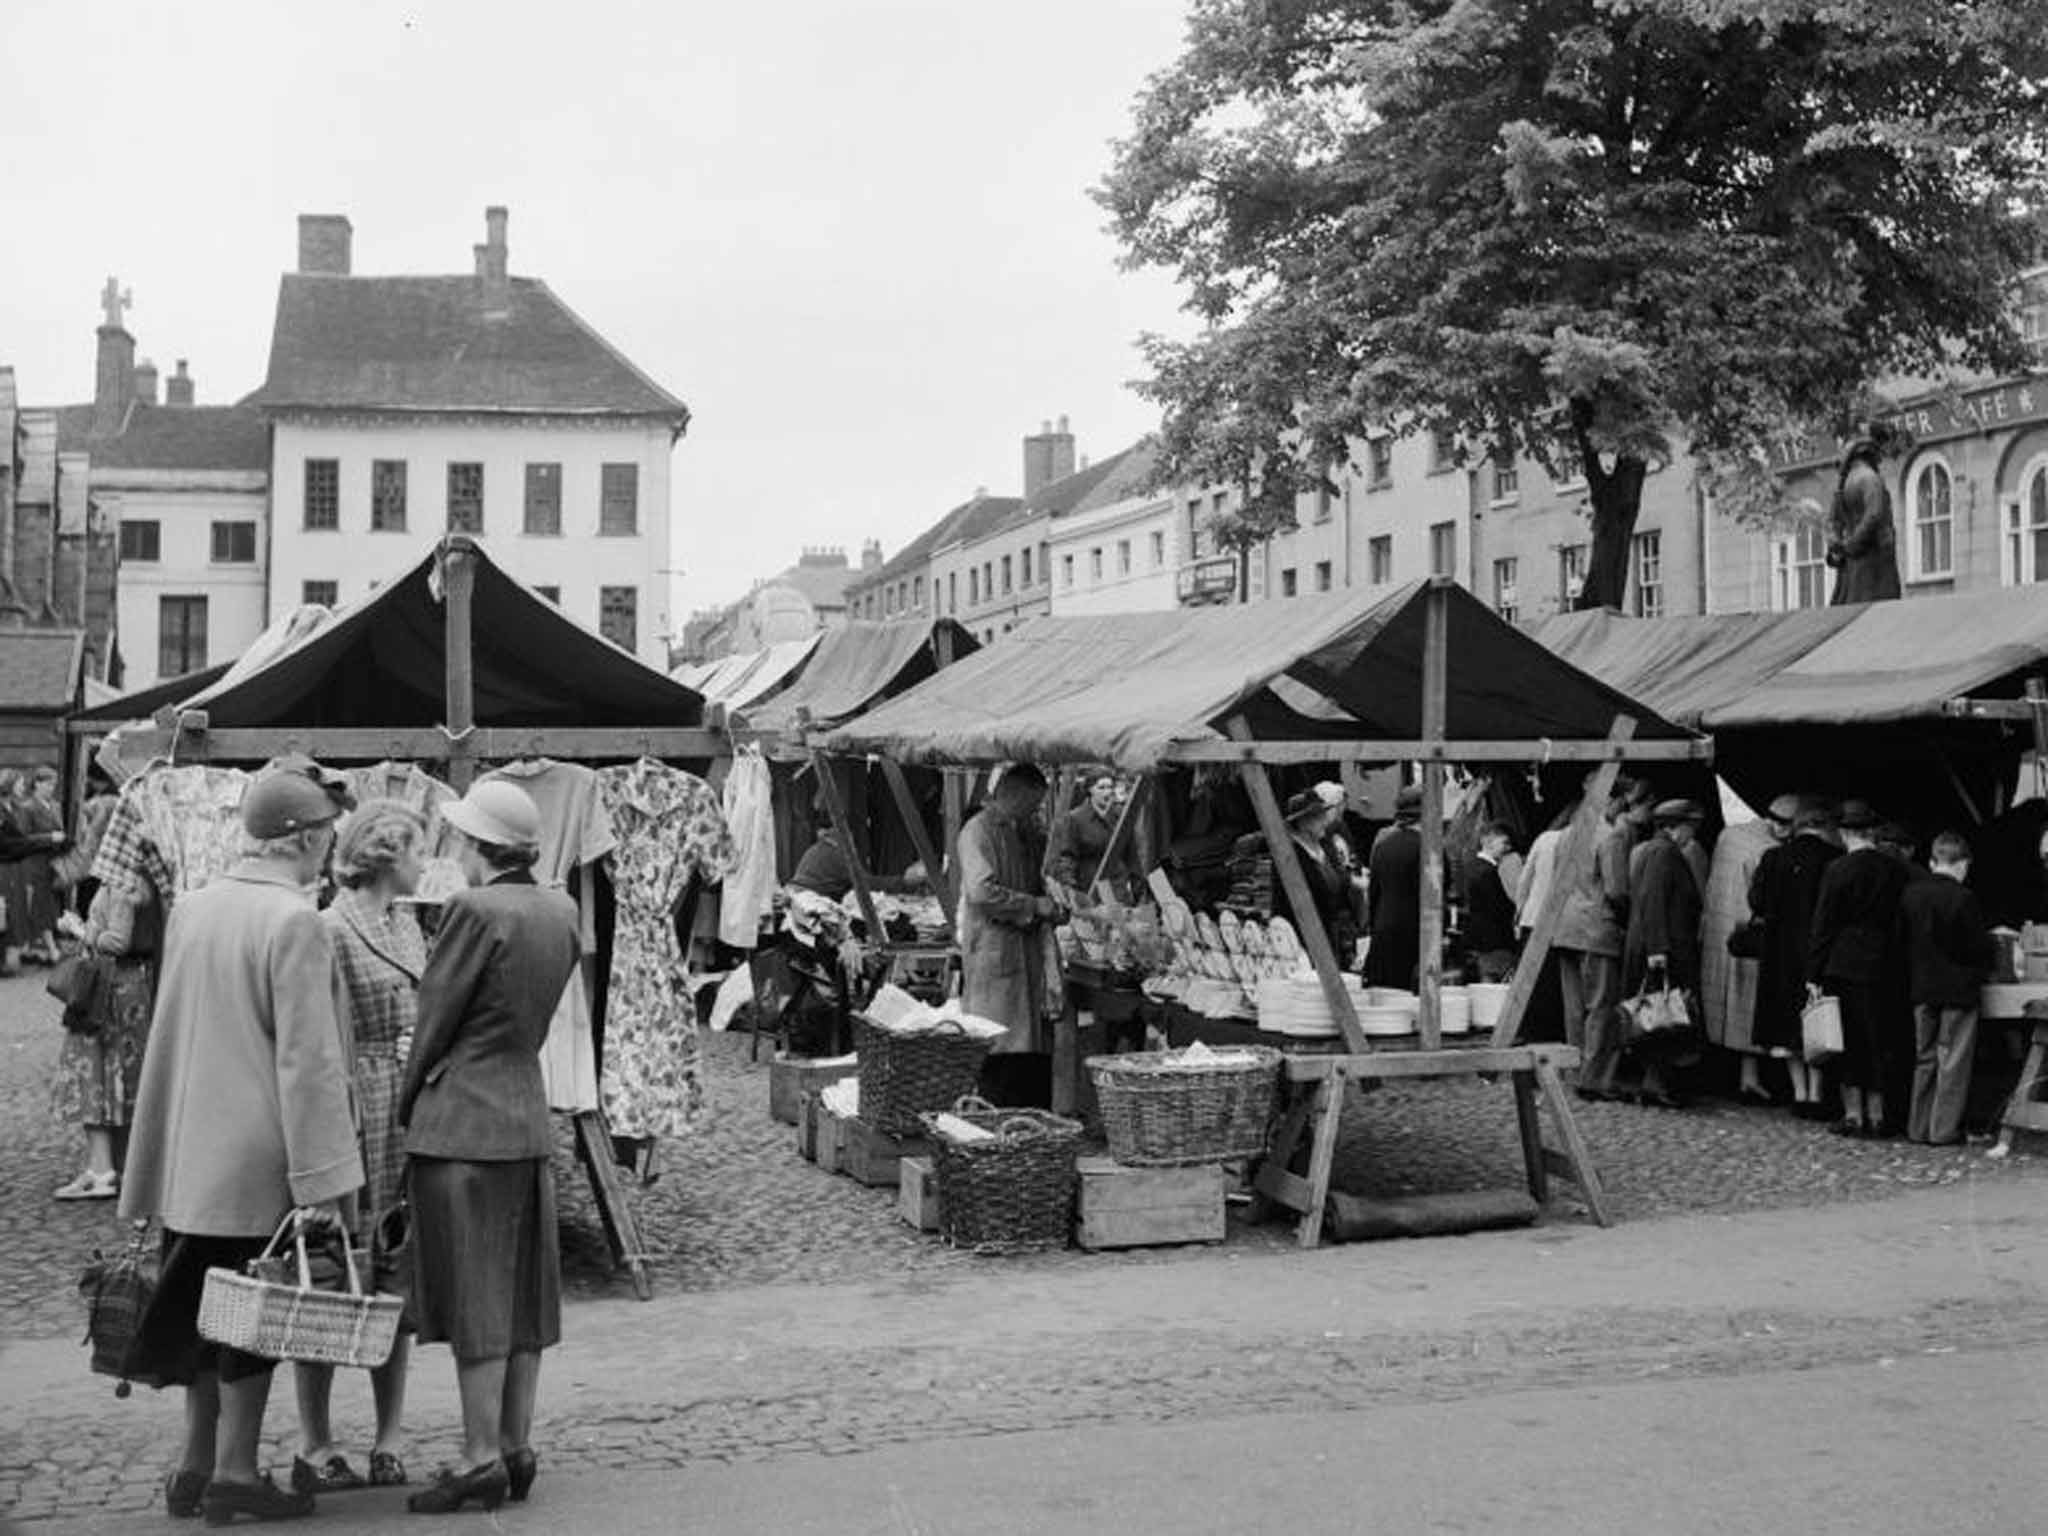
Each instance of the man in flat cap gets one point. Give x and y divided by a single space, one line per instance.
1662 948
242 1118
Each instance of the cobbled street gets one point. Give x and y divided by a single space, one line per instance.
795 1315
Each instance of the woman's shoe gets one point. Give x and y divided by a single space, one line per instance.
521 1468
450 1490
334 1475
1847 1127
386 1470
260 1500
184 1494
90 1186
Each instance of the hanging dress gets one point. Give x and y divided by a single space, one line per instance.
671 829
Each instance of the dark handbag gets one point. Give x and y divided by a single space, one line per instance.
117 1294
1747 941
80 983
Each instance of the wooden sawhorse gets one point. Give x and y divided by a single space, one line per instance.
1317 1083
2025 1110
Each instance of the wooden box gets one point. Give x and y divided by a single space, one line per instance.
917 1194
807 1127
1137 1207
791 1077
868 1157
831 1139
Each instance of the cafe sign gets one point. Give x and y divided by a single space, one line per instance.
2015 403
1213 580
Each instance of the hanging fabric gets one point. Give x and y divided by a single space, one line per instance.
749 892
575 834
672 831
413 787
173 828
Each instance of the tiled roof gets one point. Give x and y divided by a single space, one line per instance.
426 343
1064 495
171 437
981 511
1125 476
39 669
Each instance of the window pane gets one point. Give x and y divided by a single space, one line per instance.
323 593
181 635
141 540
465 498
619 514
387 496
618 616
543 500
323 493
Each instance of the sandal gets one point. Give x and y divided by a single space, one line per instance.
90 1186
334 1475
386 1470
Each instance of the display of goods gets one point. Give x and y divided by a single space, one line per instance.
1454 1012
903 1076
290 1320
1011 1188
1489 1001
1389 1011
1169 1109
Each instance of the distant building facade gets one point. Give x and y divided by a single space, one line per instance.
797 601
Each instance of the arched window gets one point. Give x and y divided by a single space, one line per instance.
2023 555
1799 571
1930 512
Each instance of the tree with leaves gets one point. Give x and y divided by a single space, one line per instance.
1596 232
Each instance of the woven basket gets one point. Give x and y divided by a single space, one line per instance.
286 1321
1013 1194
1160 1111
905 1076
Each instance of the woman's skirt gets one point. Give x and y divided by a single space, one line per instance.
97 1075
168 1348
14 892
487 1262
377 1086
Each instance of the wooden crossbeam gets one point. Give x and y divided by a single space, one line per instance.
1126 821
920 835
835 811
1350 750
255 744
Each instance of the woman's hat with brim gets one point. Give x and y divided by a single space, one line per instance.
1671 813
497 813
278 803
1305 804
1857 816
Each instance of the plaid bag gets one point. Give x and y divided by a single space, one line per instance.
117 1293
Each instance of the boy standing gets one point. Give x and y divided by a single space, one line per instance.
1950 953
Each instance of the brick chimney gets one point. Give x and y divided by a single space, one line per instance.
493 278
178 387
145 382
871 555
114 376
1047 457
326 243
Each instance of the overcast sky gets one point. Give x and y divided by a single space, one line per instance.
854 236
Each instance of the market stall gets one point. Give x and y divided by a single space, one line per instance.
453 669
1425 675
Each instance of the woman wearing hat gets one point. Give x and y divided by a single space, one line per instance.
1310 820
487 1265
1850 956
1782 896
1662 947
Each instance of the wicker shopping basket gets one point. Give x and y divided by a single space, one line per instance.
1013 1193
1160 1110
282 1320
905 1076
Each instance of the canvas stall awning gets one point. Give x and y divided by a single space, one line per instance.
1140 690
737 681
853 667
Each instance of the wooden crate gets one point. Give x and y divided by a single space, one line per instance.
1138 1207
791 1077
871 1158
917 1194
831 1139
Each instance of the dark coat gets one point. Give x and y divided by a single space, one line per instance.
1664 910
1394 907
1330 889
1856 918
1489 909
473 1087
1079 840
1860 532
1949 949
1782 896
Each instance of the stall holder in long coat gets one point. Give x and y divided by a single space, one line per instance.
1002 934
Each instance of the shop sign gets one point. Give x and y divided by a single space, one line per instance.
1208 581
2012 404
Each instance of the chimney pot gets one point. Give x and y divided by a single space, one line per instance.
491 263
178 388
145 382
325 244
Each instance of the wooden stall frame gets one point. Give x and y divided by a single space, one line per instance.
1317 1081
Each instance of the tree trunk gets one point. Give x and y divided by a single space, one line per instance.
1616 498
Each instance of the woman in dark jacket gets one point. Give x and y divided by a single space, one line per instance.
487 1265
1310 820
1783 894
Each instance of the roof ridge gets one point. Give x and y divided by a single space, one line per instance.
616 355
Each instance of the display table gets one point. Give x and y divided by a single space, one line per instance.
2027 1002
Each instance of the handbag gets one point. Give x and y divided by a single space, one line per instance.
1820 1027
117 1292
1746 942
1665 1017
80 983
297 1320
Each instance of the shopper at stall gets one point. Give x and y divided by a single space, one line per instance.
1082 836
1310 820
1393 897
379 956
1005 920
1731 941
1589 935
242 1116
1661 949
1950 954
1782 897
1489 904
826 870
18 844
42 819
487 1271
99 1070
1855 923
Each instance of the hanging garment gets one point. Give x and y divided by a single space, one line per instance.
175 828
749 893
574 834
671 831
411 786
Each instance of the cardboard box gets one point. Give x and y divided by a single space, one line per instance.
868 1157
917 1194
1138 1207
791 1077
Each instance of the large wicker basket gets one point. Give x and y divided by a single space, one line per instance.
1162 1111
1013 1193
905 1076
283 1321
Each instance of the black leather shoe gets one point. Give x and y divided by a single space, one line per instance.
521 1468
183 1495
450 1490
261 1500
334 1475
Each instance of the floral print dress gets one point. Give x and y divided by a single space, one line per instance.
670 829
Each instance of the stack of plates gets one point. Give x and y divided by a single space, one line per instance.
1295 1005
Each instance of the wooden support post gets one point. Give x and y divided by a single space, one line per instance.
1329 1114
1576 1153
1280 844
835 808
458 585
1576 852
2037 709
1435 706
1126 823
621 1229
956 786
1529 1121
940 872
